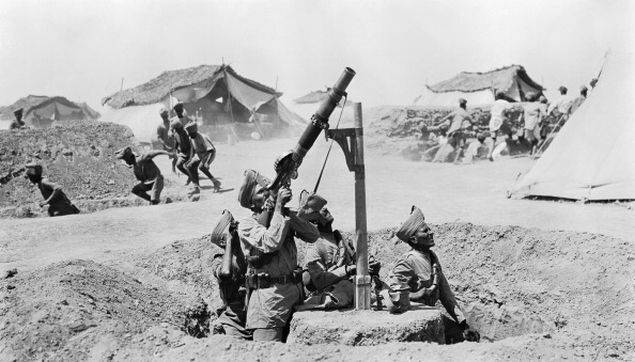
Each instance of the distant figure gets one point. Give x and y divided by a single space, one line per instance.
163 134
561 106
58 202
593 82
477 149
534 113
18 123
579 100
203 154
146 171
455 124
182 142
498 123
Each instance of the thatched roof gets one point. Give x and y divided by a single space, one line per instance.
32 102
157 89
497 79
315 97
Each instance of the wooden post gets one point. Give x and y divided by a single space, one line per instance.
362 279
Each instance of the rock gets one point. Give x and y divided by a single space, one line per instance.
365 328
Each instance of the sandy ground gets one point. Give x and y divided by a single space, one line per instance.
445 192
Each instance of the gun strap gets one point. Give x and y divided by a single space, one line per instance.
319 179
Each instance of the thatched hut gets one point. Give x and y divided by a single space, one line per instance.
42 111
216 96
478 88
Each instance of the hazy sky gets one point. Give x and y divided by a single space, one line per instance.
82 49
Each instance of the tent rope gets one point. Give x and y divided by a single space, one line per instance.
328 152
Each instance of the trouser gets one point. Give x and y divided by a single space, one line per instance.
154 187
181 161
268 334
62 209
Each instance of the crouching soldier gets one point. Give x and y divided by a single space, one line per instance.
417 277
54 197
229 268
203 154
330 263
273 278
146 171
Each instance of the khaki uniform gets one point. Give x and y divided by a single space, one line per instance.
272 305
327 278
414 269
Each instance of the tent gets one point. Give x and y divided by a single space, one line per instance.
479 88
42 111
309 103
593 156
215 95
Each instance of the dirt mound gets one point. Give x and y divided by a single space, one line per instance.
80 309
79 156
188 264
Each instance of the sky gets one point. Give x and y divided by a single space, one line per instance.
83 49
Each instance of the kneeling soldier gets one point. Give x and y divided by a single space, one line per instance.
229 268
58 202
417 277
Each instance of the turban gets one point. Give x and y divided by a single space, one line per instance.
311 203
191 128
33 168
178 107
124 152
253 180
462 101
18 112
413 223
223 223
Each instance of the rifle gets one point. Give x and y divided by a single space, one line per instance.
286 166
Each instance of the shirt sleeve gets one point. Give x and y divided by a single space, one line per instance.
447 299
303 229
266 240
402 274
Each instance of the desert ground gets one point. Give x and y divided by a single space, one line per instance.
541 279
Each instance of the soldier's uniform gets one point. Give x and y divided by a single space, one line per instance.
233 313
417 275
274 281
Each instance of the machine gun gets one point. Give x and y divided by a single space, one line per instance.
286 167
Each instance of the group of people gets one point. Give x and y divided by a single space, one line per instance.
539 119
262 285
190 150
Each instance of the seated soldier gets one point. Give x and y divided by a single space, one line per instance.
329 264
146 171
417 277
54 197
232 315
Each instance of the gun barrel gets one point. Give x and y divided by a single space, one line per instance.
321 116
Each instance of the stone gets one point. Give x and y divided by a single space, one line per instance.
366 328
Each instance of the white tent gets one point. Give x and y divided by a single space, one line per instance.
593 156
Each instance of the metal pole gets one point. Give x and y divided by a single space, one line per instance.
362 279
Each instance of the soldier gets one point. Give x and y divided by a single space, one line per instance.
455 124
274 279
182 142
577 102
18 123
58 202
146 171
329 265
499 124
231 282
533 115
417 277
202 156
163 134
